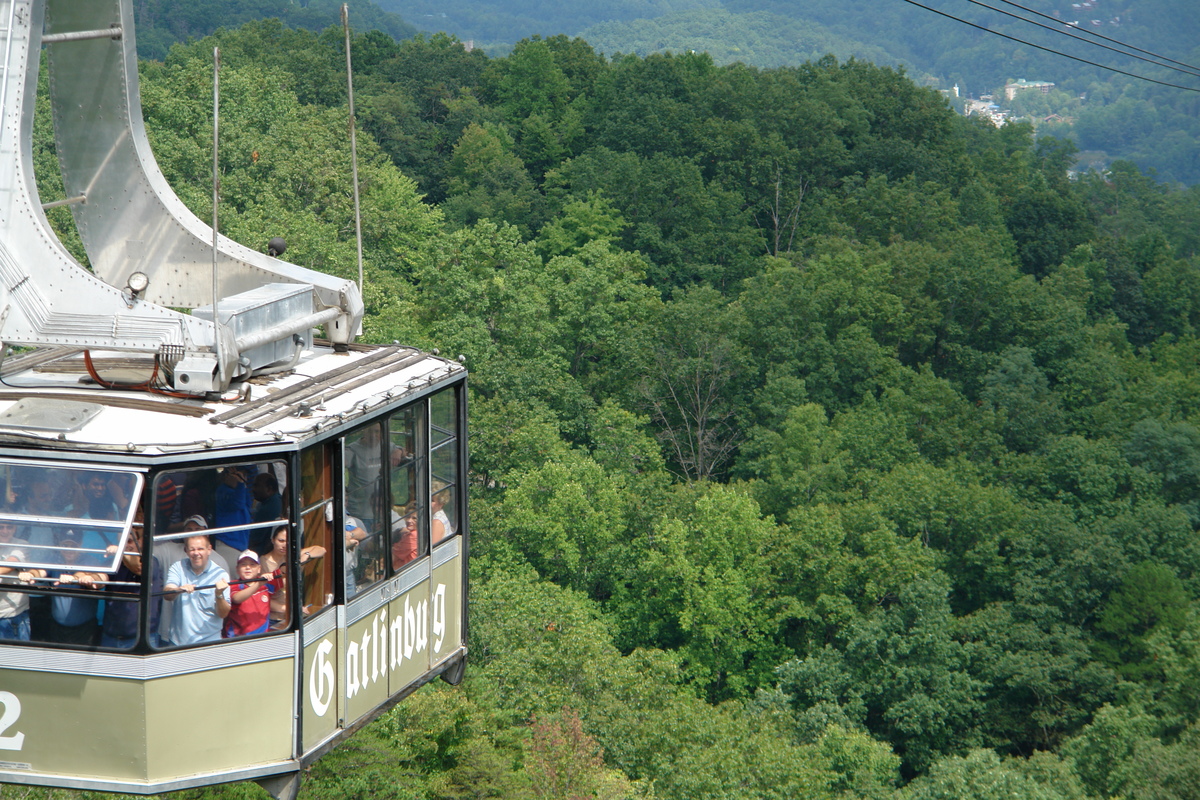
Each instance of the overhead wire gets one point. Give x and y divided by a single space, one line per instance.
1100 35
1052 50
1059 29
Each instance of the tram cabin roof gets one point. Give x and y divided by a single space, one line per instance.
49 401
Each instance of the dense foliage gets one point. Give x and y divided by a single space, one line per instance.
825 443
759 38
1108 114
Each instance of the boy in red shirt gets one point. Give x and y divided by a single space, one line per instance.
250 598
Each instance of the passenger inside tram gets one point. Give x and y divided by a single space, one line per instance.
73 619
38 500
439 525
170 549
198 589
250 598
364 473
14 606
198 497
234 505
102 496
119 628
268 506
355 533
166 502
276 562
405 539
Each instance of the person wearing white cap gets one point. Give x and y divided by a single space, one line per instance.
251 598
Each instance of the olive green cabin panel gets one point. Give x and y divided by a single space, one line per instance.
217 720
321 694
71 725
408 649
446 611
366 664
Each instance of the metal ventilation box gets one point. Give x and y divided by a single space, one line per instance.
262 309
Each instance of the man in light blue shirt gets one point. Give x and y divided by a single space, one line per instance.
200 591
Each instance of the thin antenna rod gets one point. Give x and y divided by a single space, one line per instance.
353 146
216 197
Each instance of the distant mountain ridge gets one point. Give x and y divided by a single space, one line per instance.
161 23
1110 116
1113 116
924 40
760 38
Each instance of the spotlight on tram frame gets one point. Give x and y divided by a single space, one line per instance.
134 287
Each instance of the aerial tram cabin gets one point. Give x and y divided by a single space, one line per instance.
358 471
156 464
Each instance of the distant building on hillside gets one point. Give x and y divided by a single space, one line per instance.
986 110
1012 87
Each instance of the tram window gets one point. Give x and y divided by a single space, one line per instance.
68 517
367 507
84 606
408 525
234 507
237 503
443 465
316 525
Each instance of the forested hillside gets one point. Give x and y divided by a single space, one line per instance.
1108 115
161 23
758 38
1119 117
825 443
